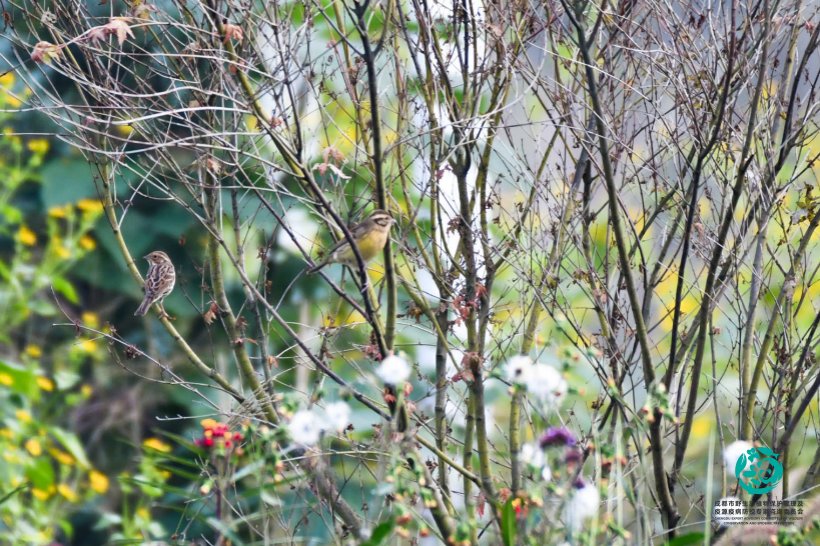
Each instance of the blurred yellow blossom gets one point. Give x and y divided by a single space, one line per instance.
38 145
157 444
62 457
6 433
143 513
45 383
26 236
90 319
6 379
87 242
89 205
34 351
23 416
11 137
33 446
7 79
66 491
98 481
59 212
86 390
60 248
40 494
208 423
12 101
87 346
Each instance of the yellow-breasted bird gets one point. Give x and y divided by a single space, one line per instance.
370 236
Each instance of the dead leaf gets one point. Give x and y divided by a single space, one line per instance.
233 32
120 26
210 315
45 52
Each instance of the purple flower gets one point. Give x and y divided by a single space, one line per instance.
573 456
557 436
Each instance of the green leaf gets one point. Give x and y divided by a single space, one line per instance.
225 530
65 379
71 444
247 470
42 307
11 215
380 533
24 381
508 523
269 499
40 473
686 540
65 288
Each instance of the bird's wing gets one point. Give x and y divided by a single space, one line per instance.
355 232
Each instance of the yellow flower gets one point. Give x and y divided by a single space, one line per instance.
6 379
59 248
62 457
90 319
39 145
87 242
143 513
34 351
66 491
98 481
6 433
33 446
87 346
157 445
86 390
45 383
40 494
12 101
59 212
7 79
208 423
23 416
26 236
90 206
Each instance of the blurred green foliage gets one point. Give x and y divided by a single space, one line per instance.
50 490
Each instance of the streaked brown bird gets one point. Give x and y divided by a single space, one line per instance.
370 236
159 281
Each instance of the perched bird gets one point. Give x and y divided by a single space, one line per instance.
159 281
370 236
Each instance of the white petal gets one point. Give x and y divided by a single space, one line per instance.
304 428
583 504
732 453
338 416
393 370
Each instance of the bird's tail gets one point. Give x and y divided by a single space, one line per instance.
143 308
